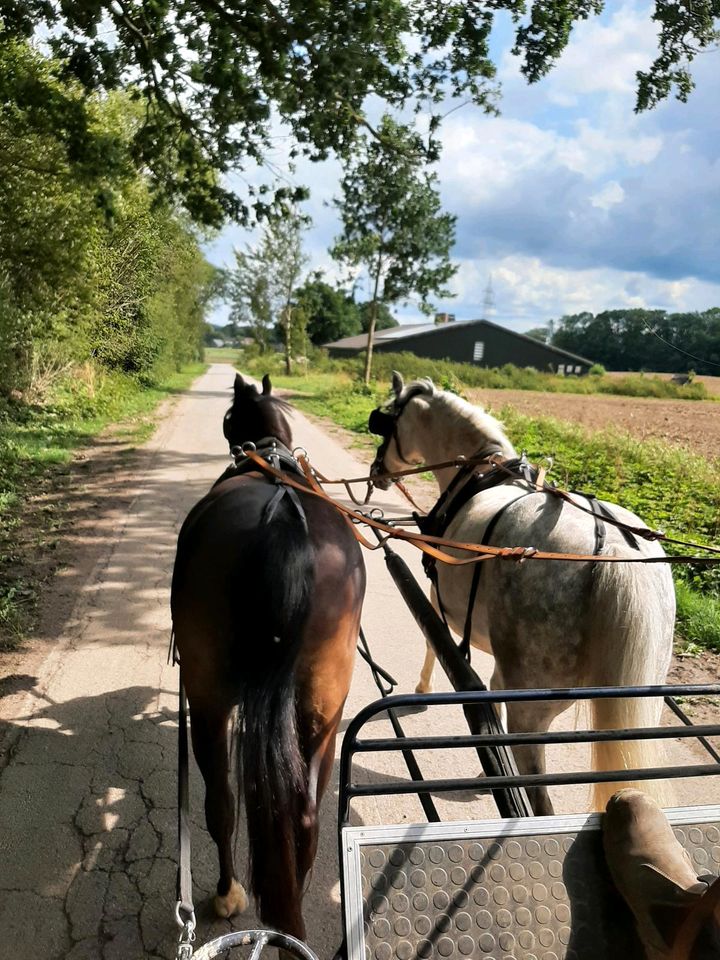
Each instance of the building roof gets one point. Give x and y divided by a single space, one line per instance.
404 331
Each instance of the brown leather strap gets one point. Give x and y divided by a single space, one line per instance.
644 533
429 544
705 912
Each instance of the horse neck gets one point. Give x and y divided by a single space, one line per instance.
458 429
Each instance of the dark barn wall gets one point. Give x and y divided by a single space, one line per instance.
500 347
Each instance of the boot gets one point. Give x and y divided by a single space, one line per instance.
652 872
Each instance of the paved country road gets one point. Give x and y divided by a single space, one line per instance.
87 795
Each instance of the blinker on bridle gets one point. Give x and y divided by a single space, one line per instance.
384 425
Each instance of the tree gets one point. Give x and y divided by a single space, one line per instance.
645 339
393 225
383 320
213 74
331 312
538 333
265 282
250 299
128 290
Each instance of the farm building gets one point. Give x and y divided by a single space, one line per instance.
470 341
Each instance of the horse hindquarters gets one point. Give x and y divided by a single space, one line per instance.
629 644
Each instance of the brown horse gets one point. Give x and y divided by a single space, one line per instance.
266 598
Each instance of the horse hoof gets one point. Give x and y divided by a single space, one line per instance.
232 902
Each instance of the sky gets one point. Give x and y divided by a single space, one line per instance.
568 201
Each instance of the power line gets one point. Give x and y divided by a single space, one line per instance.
672 346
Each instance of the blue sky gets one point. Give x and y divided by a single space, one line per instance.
568 200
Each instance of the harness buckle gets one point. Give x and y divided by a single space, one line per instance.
187 932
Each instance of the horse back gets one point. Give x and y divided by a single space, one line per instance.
233 564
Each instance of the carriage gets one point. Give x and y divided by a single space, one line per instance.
529 885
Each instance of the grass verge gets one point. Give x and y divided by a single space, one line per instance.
36 441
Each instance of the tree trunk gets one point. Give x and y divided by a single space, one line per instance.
371 328
288 339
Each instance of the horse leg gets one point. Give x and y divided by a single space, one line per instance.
425 684
326 677
209 725
321 755
527 718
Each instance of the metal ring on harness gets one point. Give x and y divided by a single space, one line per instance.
258 940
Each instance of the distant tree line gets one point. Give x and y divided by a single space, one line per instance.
643 339
322 312
94 267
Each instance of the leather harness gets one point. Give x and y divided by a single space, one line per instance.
276 455
483 472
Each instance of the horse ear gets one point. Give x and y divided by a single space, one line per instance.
397 383
242 388
267 386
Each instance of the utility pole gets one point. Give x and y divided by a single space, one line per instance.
488 300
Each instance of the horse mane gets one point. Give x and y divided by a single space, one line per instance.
461 412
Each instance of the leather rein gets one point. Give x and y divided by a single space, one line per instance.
435 546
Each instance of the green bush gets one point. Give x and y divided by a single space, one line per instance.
510 377
698 617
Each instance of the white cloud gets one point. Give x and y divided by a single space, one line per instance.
610 195
604 57
569 199
528 292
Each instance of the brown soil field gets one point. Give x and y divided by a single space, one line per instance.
693 425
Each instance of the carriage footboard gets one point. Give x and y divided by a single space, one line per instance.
534 888
523 888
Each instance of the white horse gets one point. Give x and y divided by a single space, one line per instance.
548 623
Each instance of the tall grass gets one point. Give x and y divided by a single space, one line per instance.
456 376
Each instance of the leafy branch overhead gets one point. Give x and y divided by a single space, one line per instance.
215 76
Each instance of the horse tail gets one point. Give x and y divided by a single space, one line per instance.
632 617
272 780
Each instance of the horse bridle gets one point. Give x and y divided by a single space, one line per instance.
384 424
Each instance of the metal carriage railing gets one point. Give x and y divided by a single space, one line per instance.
517 887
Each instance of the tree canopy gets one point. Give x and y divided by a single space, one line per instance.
128 290
214 76
331 312
393 225
383 317
644 339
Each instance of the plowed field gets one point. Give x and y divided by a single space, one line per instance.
691 424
